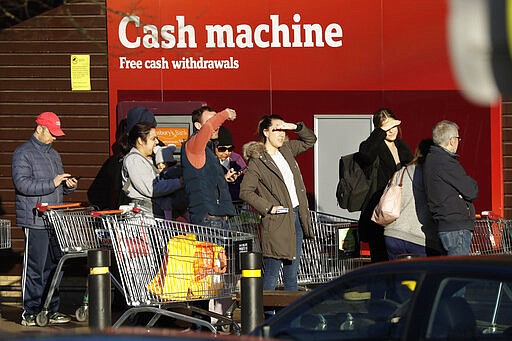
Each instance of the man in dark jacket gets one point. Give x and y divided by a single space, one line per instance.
210 202
450 191
39 177
206 184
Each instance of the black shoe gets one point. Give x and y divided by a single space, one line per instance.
29 320
59 318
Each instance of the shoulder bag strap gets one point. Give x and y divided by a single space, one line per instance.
402 177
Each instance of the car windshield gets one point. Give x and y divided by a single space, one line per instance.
360 308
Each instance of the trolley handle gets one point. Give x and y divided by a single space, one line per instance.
43 207
98 214
489 215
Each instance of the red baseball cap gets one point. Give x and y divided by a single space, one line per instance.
51 121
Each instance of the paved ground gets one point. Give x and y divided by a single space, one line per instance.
11 316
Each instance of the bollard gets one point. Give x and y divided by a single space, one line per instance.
251 291
100 314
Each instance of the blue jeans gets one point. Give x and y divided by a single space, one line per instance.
456 242
397 247
272 266
217 222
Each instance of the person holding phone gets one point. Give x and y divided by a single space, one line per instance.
38 176
273 185
232 163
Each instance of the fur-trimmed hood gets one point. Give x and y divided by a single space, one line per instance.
253 150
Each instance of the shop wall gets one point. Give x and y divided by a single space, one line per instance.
35 77
418 110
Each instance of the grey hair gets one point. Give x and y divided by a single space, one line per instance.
443 131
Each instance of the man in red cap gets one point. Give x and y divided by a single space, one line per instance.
39 177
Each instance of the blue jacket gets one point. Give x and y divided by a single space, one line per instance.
450 191
34 166
206 188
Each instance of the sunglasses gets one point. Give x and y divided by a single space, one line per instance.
222 149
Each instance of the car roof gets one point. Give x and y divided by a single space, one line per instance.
445 262
495 265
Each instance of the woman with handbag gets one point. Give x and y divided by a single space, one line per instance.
391 153
413 232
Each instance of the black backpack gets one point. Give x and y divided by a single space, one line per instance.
355 184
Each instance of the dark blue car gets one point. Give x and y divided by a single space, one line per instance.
439 298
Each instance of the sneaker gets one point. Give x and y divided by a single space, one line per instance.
58 318
30 320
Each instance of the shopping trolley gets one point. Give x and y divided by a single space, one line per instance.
75 231
5 234
166 264
491 235
247 220
333 251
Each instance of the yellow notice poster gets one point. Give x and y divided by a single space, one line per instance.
80 72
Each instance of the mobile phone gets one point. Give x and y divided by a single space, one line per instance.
242 170
71 177
282 210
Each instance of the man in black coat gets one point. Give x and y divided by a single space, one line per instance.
450 191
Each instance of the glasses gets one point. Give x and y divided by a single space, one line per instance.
223 149
456 137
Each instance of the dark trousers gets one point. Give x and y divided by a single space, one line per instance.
378 252
40 260
372 233
397 247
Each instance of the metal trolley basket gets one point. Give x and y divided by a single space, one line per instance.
334 251
166 264
75 231
492 235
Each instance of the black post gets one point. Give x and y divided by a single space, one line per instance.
100 313
251 291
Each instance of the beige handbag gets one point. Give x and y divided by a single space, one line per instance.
389 206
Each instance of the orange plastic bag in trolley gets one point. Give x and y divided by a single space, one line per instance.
191 270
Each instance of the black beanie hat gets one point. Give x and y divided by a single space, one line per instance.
139 115
225 138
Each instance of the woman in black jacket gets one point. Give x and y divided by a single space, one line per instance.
384 147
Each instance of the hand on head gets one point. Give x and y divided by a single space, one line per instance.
286 126
390 123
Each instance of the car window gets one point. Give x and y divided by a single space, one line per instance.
476 309
370 307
